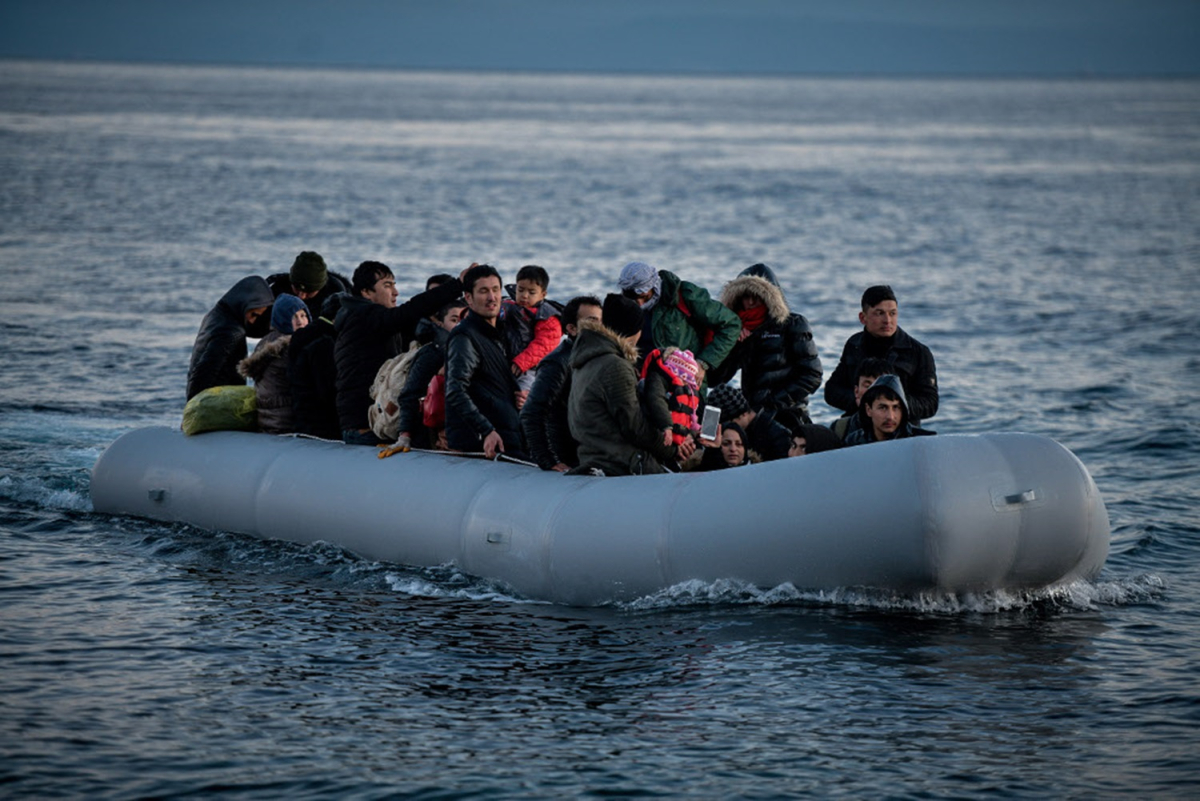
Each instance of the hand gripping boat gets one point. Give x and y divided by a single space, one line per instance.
953 513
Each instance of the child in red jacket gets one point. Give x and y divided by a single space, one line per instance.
531 324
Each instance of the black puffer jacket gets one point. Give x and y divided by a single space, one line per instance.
334 283
425 365
544 415
605 413
480 389
906 357
313 374
366 338
779 362
221 342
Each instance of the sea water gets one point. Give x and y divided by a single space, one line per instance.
1043 237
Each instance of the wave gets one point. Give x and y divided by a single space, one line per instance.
45 496
1075 596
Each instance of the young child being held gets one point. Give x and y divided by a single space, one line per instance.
670 391
531 325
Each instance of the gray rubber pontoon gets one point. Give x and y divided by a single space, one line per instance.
953 513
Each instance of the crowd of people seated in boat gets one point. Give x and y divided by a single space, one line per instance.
617 385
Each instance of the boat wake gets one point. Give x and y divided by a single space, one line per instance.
1075 596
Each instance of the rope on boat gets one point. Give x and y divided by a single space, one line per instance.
391 450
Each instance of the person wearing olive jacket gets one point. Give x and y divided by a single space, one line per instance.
681 314
776 353
606 418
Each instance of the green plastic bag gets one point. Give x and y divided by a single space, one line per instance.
230 408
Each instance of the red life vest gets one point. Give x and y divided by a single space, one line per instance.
682 400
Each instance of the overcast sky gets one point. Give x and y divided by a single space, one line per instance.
872 37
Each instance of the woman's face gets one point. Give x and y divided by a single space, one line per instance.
732 449
749 302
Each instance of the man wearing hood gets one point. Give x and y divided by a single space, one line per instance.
604 412
883 338
883 414
775 349
221 343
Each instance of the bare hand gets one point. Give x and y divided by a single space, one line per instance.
745 333
492 444
666 437
686 448
560 468
520 397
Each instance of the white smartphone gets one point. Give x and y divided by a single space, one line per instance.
709 424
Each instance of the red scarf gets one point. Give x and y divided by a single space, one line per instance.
753 318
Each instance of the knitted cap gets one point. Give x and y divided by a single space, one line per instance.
640 277
622 315
308 272
285 308
683 366
730 400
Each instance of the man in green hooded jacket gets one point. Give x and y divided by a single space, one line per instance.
681 314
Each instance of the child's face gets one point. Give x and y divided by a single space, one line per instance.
451 319
529 293
299 320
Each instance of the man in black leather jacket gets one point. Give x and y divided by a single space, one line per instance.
481 407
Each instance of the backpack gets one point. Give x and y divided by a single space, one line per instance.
384 412
433 405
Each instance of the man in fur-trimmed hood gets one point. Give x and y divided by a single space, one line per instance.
604 412
775 349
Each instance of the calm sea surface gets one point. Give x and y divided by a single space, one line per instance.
1043 238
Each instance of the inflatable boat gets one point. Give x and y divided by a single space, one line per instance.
952 513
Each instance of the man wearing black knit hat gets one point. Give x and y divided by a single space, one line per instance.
605 415
309 280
